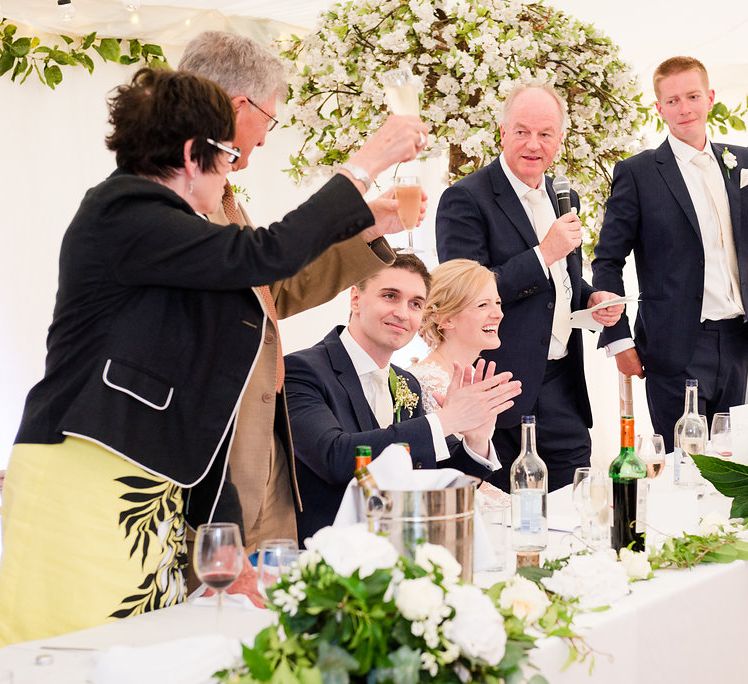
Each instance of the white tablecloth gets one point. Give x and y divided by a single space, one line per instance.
683 626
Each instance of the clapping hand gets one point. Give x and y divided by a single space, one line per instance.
473 400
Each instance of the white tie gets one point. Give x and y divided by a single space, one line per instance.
382 399
543 217
715 186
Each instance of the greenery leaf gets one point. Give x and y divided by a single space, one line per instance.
730 479
88 41
52 76
6 61
21 47
109 49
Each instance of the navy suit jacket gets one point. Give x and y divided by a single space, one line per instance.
651 213
330 417
481 218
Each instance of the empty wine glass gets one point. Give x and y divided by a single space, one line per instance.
408 194
580 474
721 435
651 450
219 556
274 559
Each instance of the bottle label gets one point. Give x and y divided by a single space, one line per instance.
642 489
531 511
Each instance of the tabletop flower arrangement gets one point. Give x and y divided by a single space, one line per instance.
468 54
354 610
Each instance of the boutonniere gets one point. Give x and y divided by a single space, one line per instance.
729 160
404 397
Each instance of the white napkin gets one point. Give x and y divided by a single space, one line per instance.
393 470
739 431
583 318
183 661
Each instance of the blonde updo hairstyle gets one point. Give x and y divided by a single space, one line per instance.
454 284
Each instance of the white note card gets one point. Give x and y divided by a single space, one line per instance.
739 433
583 318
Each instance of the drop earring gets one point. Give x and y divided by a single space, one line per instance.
190 187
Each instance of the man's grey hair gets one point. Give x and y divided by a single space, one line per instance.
238 64
523 87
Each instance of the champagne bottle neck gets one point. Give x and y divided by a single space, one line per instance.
627 433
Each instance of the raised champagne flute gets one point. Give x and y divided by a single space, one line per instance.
219 556
651 450
408 194
401 90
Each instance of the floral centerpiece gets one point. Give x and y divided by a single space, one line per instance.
468 54
354 610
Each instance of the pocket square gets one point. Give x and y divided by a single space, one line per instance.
743 177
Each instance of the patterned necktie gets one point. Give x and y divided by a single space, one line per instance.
542 218
715 186
382 400
235 216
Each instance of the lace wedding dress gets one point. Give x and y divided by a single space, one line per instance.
432 378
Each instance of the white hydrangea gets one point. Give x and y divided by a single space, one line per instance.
429 555
418 599
716 523
596 580
477 628
347 549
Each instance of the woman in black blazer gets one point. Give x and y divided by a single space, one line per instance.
153 339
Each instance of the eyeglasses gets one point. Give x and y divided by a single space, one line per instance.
274 123
233 152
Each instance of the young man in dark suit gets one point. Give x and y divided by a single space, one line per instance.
506 217
339 397
678 208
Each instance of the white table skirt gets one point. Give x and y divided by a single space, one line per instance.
683 626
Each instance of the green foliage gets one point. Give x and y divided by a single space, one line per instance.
692 549
19 57
730 479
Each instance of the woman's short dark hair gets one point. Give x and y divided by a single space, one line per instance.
157 112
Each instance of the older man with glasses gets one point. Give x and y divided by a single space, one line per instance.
262 484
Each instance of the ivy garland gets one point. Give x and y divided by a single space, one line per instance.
20 56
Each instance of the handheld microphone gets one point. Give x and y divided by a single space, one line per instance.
562 188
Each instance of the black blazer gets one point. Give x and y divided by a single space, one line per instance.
330 417
155 329
650 212
481 218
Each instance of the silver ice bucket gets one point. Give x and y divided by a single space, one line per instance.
437 516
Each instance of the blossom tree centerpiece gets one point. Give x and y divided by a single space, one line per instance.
468 54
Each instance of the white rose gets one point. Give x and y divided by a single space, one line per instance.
477 628
417 599
636 564
430 555
526 600
347 549
714 523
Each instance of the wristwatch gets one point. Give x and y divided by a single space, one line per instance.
358 174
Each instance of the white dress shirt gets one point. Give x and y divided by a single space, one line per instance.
557 349
364 366
718 302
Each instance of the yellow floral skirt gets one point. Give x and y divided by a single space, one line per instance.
88 537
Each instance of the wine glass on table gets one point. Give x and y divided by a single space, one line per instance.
219 556
580 475
408 194
275 558
590 496
721 436
651 450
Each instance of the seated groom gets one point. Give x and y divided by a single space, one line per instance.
339 397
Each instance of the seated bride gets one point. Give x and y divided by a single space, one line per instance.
461 318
